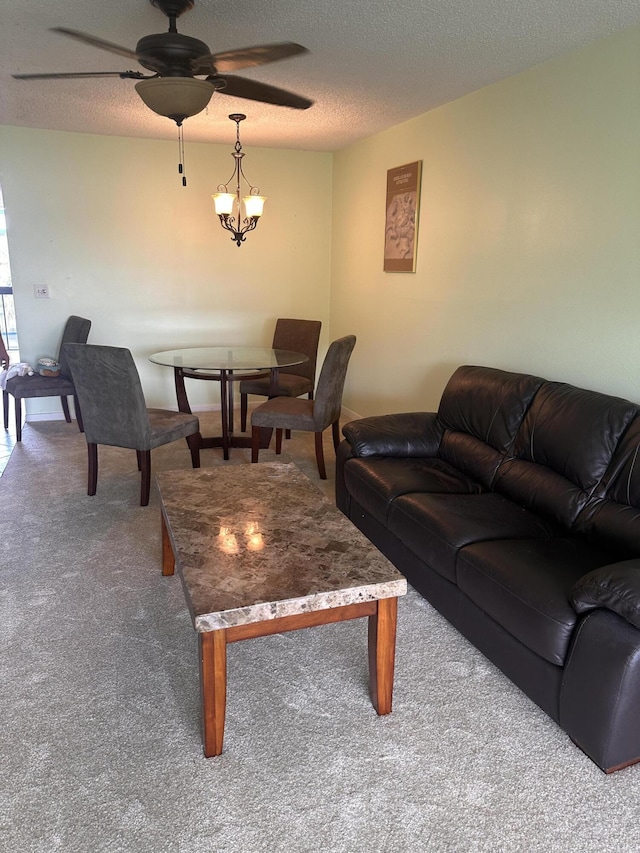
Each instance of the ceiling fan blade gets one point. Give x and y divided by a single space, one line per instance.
252 90
246 57
94 41
124 75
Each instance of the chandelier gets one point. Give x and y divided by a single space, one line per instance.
227 202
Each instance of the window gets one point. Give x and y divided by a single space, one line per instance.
7 310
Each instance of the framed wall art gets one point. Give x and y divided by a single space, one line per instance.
401 221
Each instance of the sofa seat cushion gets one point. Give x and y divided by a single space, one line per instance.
525 586
375 482
436 527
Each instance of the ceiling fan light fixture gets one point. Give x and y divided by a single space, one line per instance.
176 98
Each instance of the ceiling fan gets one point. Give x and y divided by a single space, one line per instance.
177 62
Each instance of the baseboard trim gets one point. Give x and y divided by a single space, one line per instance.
349 415
44 416
345 415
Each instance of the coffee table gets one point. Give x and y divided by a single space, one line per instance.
261 551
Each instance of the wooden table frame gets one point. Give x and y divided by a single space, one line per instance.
226 378
382 615
210 364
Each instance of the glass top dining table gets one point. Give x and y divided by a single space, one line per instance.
226 365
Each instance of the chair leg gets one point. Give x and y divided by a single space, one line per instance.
92 451
5 407
278 442
76 406
65 409
243 412
145 479
17 405
255 443
320 456
335 428
139 458
193 441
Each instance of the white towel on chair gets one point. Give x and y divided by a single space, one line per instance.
20 369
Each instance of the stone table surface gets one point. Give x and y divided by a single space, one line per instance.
259 542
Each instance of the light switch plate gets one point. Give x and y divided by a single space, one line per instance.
41 291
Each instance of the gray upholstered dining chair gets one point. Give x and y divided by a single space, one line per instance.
315 415
76 330
294 336
115 413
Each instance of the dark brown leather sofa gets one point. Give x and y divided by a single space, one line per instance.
515 510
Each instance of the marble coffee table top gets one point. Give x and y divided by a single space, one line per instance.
260 541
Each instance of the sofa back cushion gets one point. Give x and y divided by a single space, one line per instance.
480 410
563 449
612 515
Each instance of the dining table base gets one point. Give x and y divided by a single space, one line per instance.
226 379
226 365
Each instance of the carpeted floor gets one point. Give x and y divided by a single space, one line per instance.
100 734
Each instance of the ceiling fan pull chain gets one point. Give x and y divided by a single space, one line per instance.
181 155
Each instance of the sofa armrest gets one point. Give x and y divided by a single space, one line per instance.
615 587
407 434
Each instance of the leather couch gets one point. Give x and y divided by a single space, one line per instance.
515 510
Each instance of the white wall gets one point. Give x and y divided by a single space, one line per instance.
529 243
106 224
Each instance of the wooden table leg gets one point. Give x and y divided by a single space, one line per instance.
183 400
230 400
213 688
168 558
382 653
181 391
224 412
273 382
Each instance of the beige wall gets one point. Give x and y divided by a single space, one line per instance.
528 251
529 245
105 223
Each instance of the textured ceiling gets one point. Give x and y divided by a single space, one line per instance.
373 63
